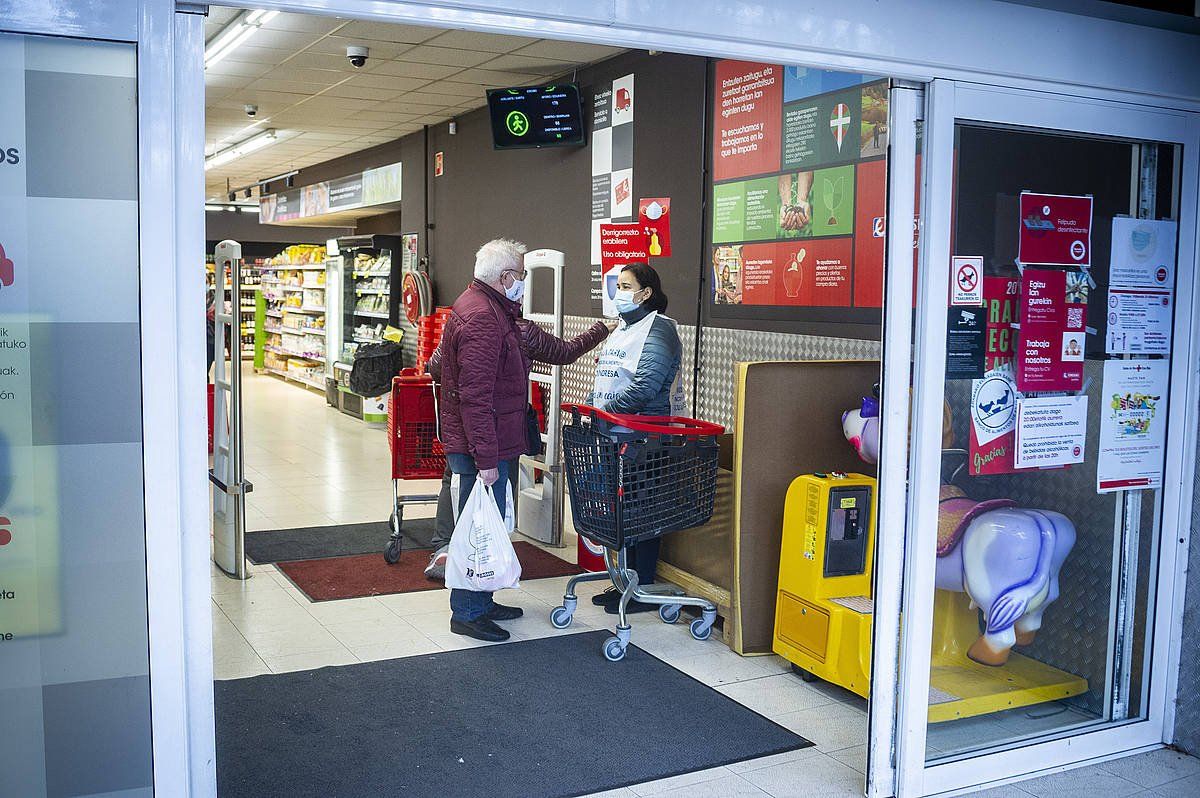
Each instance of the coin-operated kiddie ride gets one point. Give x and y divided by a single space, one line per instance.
994 558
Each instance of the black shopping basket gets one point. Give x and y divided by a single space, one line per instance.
633 478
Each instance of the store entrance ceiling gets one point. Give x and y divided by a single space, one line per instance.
295 69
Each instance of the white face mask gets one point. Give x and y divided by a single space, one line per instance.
515 291
623 301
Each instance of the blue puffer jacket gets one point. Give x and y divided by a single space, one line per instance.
650 392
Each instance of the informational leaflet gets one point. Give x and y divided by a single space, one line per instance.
799 187
1143 253
1055 230
1051 431
612 167
1139 321
1133 425
965 343
1140 307
1053 312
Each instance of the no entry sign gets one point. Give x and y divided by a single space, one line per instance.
1055 230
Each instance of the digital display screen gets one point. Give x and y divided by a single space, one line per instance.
536 116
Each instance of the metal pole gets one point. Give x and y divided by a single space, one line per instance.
235 423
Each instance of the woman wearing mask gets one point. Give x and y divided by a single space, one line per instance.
638 373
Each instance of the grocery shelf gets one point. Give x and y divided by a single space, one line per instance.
312 330
380 291
370 314
320 386
279 350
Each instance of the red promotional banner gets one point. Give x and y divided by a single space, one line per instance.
1000 301
746 119
654 215
1055 229
621 244
1053 310
869 234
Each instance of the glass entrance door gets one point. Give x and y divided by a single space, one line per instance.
1049 411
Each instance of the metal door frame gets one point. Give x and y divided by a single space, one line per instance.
947 103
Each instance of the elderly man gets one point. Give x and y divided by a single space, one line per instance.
536 345
484 396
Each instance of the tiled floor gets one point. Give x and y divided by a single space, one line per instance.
312 466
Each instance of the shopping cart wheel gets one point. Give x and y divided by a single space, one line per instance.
560 618
701 628
613 650
669 613
392 552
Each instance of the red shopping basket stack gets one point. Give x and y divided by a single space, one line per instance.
429 334
412 427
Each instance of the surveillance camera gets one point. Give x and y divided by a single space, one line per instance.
251 110
357 55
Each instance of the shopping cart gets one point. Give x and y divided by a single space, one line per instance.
633 478
417 453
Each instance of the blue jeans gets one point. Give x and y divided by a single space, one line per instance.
467 605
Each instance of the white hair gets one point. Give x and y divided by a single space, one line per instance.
498 256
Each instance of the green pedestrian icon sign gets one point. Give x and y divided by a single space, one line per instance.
517 123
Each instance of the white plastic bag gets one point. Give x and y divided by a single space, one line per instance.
481 556
456 492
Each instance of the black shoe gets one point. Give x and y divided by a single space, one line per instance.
482 628
632 608
609 597
500 612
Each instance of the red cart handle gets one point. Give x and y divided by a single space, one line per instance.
659 425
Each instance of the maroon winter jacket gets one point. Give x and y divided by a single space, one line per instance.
484 378
533 343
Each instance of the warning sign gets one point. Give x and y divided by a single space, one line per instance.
966 281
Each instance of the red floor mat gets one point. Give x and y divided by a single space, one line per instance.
368 574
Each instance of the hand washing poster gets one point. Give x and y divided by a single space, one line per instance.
1133 425
799 187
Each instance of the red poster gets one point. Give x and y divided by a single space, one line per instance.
760 279
654 215
1000 300
869 230
1055 229
621 244
1052 314
747 119
814 273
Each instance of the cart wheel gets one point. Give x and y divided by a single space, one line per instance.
669 613
560 618
392 552
701 630
805 675
613 650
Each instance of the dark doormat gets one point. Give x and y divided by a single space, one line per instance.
370 575
343 540
544 718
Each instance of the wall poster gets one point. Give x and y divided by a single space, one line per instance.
612 168
799 189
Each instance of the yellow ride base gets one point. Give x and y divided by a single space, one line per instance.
960 687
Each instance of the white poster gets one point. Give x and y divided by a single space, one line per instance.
994 405
1143 253
1133 423
1051 431
1139 321
966 281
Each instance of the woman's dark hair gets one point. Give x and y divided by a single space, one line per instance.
647 277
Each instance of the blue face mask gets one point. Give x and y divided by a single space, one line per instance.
515 291
623 300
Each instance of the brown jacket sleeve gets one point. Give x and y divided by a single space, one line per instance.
546 348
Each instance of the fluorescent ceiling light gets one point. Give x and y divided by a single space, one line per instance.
248 146
235 34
